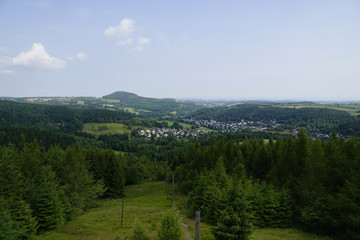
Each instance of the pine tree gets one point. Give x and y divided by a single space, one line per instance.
8 227
114 176
50 208
235 220
23 215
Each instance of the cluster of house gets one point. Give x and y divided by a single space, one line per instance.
235 126
46 99
165 132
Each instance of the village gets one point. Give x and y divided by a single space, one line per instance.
203 127
179 133
234 126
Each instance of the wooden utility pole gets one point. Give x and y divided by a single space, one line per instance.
122 211
173 189
197 225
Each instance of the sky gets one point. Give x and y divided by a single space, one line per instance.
242 49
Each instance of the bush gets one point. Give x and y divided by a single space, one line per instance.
170 227
138 232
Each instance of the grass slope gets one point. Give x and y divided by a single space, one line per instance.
147 203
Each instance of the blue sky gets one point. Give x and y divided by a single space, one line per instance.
255 49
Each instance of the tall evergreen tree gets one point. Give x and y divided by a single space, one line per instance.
235 220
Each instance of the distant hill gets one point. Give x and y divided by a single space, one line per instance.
151 107
130 97
61 118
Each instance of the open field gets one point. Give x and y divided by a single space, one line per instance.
147 203
350 109
105 128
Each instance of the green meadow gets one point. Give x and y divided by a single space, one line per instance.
105 128
147 203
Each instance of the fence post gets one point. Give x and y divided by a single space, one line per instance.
173 189
167 186
197 225
122 211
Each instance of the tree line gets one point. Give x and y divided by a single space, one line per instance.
43 188
60 118
288 182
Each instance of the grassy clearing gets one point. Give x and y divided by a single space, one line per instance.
147 203
105 128
284 234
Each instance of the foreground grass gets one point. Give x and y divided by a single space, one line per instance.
284 234
147 203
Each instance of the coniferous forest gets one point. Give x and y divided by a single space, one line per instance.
51 172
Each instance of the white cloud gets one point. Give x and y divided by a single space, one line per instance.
38 58
125 32
79 56
141 43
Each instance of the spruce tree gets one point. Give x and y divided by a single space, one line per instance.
235 220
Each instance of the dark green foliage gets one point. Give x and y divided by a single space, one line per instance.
235 219
48 205
8 227
208 198
318 214
271 207
170 227
11 179
39 188
26 223
298 181
60 118
78 184
135 174
113 176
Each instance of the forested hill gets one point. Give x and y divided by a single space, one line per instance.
320 118
152 106
55 117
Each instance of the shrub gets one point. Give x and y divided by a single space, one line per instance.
138 232
170 227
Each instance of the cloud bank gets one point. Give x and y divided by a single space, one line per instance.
125 33
35 59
